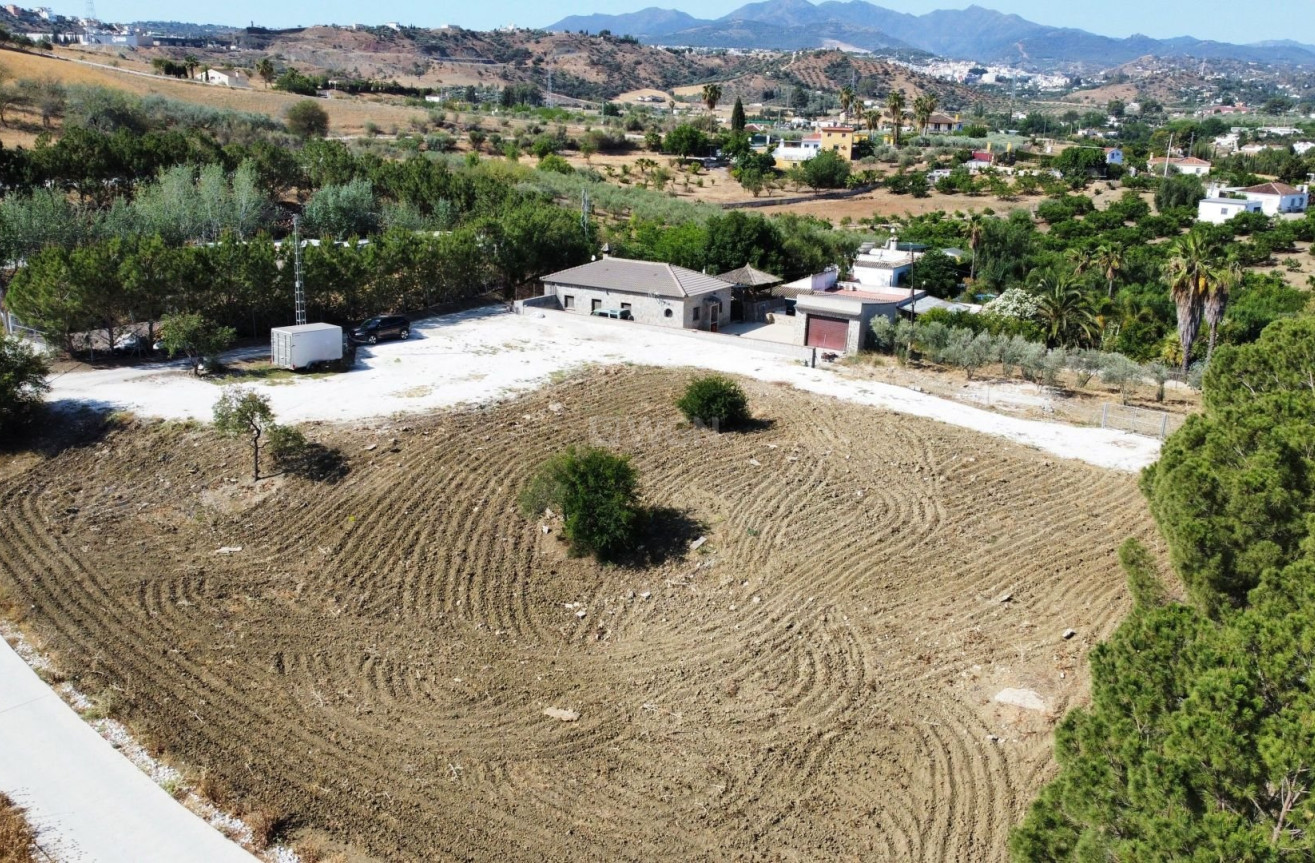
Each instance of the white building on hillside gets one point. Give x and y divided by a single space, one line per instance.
1190 165
1220 210
1276 198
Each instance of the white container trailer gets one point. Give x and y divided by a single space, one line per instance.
302 346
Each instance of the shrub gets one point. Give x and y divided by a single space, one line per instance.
22 382
715 401
597 494
307 120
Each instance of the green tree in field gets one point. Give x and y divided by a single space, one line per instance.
241 412
597 494
737 116
826 170
532 239
1178 190
686 140
936 273
715 401
22 383
191 335
306 119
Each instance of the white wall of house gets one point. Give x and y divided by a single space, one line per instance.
1220 210
691 313
880 277
1272 205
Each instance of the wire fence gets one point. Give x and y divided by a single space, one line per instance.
1052 404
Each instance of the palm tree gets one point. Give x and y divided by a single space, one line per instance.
265 69
1216 299
923 107
1188 273
976 231
873 119
1080 259
711 95
1109 260
1065 312
895 107
847 99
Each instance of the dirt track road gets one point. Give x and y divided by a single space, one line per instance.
484 355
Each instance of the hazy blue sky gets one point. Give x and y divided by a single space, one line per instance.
1224 20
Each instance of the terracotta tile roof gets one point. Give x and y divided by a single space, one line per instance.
1272 189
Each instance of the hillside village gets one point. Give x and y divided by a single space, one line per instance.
782 435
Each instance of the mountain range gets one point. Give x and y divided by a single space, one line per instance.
974 33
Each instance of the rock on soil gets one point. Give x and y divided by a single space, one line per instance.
1024 698
562 714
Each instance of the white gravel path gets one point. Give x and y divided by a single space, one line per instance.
87 802
474 356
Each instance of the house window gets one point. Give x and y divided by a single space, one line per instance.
595 305
568 302
696 313
666 313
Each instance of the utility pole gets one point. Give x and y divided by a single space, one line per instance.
1167 151
299 295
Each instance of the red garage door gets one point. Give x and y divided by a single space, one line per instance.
829 333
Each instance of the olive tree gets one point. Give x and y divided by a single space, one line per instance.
191 334
240 411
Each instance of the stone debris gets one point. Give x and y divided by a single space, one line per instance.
1024 698
545 528
698 543
755 462
371 446
555 407
228 549
646 594
562 714
581 613
1008 597
1069 633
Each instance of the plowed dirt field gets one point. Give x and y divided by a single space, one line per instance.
815 681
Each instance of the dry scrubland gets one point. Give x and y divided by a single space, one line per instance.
815 682
346 116
15 834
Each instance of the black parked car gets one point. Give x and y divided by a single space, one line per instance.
382 327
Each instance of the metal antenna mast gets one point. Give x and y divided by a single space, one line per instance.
299 287
584 211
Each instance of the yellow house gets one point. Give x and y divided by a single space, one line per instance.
839 139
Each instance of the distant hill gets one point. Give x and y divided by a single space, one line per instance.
974 33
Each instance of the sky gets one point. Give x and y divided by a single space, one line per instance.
1222 20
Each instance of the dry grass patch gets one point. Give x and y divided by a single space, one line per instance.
17 841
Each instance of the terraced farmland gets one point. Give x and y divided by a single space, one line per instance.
816 681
